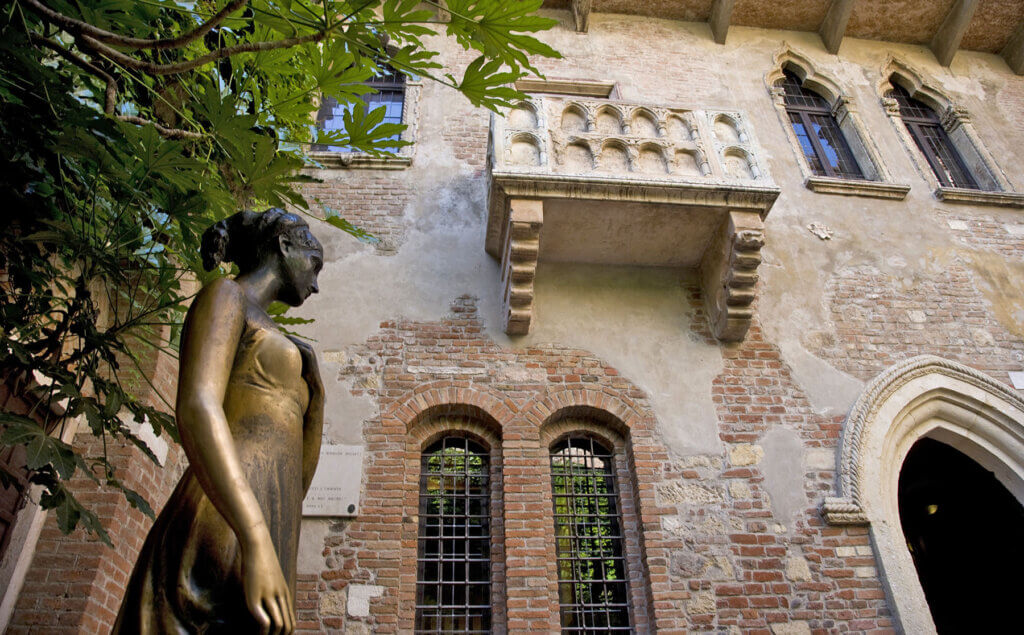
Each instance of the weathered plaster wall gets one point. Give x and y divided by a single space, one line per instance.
749 430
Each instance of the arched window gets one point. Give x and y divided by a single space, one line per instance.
820 137
926 129
453 573
593 589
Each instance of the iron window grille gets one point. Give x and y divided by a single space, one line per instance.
820 137
453 577
389 85
593 589
926 129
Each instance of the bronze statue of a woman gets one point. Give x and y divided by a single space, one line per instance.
221 555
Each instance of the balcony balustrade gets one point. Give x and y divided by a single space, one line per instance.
608 182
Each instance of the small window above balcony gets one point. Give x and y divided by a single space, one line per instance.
602 181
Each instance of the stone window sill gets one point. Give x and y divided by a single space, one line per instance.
857 187
979 197
359 161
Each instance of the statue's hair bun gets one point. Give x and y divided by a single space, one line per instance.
243 237
215 245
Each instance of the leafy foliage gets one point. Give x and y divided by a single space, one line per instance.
131 125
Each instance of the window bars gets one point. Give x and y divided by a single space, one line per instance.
593 590
926 129
820 137
453 579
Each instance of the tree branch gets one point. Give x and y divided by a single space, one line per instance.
78 27
165 132
180 67
110 101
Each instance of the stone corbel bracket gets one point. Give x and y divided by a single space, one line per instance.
519 263
729 274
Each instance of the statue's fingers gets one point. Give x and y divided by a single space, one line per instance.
262 618
275 615
289 616
289 610
286 618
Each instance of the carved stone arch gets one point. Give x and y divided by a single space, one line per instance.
642 113
898 71
526 148
746 159
788 59
922 397
615 112
611 148
577 110
532 119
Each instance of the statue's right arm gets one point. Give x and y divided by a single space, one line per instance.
213 327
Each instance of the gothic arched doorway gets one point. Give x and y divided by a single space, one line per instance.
963 530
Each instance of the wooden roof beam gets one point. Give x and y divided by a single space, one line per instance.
1013 52
721 13
947 39
581 14
833 27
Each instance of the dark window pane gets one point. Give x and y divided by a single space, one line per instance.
837 152
453 591
593 589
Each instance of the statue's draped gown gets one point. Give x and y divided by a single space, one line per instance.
188 576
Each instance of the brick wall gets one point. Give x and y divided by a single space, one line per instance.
75 582
705 552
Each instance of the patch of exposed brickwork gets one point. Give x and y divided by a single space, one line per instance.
373 200
705 551
986 232
879 321
419 370
734 565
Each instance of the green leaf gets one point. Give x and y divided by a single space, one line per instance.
290 321
485 85
41 449
496 29
332 218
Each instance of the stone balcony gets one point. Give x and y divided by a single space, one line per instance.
599 181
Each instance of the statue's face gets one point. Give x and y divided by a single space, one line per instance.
302 257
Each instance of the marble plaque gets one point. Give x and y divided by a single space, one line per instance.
335 487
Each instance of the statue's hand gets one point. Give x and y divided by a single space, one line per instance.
266 591
310 369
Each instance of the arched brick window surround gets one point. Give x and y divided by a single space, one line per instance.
611 431
433 412
922 397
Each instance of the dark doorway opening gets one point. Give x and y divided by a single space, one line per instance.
965 531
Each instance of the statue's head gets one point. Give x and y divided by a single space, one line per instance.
274 238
